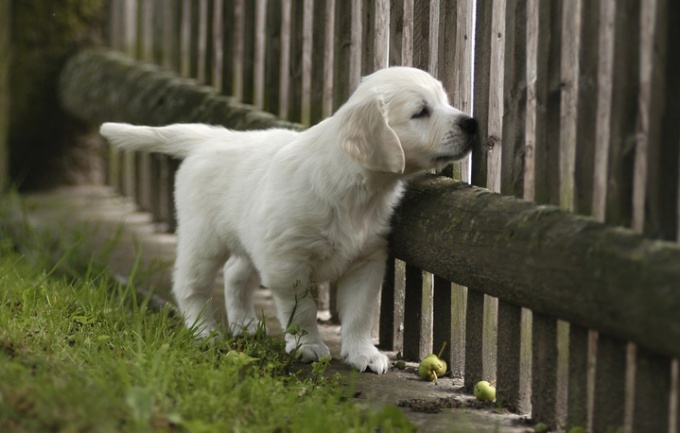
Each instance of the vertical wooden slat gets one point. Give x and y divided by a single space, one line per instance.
413 313
662 202
296 61
396 32
248 50
623 112
202 40
346 70
272 57
238 31
185 39
421 34
458 313
653 374
128 179
481 90
329 58
474 332
145 191
321 24
610 385
577 395
284 76
512 182
306 63
386 334
544 371
399 305
442 319
509 364
548 96
217 36
259 52
381 36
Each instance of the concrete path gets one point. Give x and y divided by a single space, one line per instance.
106 215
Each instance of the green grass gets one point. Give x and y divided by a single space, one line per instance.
80 352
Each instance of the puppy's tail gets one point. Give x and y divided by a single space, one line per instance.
178 140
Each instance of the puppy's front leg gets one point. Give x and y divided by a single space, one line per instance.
300 311
358 293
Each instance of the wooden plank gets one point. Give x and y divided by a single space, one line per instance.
474 333
587 108
481 90
273 57
217 52
663 192
455 63
248 50
306 63
319 56
509 369
259 52
577 394
495 116
442 320
548 96
386 334
514 99
610 385
238 53
652 392
202 70
284 76
399 305
295 69
381 36
194 52
185 39
625 85
421 34
228 47
413 301
458 321
146 13
571 31
396 32
544 370
329 58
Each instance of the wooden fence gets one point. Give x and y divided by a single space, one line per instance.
578 103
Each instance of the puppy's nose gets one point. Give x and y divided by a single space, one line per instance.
468 125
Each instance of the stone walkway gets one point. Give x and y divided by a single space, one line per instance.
433 408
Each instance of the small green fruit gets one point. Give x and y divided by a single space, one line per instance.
484 391
431 367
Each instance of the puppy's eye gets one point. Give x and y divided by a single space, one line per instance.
422 113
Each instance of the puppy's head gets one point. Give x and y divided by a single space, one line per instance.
399 120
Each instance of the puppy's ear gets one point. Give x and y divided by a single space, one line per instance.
367 137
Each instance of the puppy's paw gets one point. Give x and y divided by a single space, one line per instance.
308 352
366 358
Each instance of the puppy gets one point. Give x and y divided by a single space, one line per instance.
286 209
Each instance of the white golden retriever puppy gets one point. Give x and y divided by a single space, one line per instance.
286 209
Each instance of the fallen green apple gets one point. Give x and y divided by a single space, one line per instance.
431 367
484 391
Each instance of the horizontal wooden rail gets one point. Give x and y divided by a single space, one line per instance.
539 257
105 86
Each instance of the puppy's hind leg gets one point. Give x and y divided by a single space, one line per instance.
240 282
193 282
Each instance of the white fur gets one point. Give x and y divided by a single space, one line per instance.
286 209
